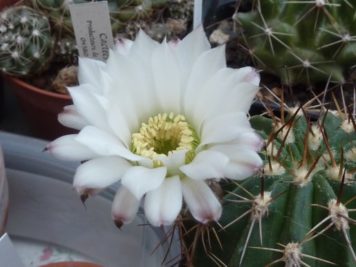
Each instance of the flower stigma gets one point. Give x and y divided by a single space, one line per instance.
163 134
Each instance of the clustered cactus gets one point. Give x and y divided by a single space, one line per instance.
25 41
301 41
300 210
55 43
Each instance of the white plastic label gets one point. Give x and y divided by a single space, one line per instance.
8 255
92 28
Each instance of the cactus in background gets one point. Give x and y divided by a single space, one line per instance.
158 18
300 210
25 41
23 53
301 41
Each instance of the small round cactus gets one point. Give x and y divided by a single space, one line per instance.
25 41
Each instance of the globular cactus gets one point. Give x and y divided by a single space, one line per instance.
57 11
25 41
302 42
299 211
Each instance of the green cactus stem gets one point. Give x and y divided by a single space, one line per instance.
302 42
300 210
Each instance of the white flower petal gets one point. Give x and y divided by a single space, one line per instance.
167 79
239 171
67 148
224 128
87 73
131 80
201 201
140 180
251 139
104 143
69 117
142 48
119 124
206 164
124 207
206 66
249 75
163 204
99 173
173 161
88 106
239 98
123 46
223 93
243 160
189 49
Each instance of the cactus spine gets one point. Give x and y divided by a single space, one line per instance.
302 41
300 210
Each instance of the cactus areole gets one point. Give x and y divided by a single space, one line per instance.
302 212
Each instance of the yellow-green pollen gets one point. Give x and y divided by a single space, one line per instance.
163 134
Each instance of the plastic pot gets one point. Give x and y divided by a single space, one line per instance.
4 195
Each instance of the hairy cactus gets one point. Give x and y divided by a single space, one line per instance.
300 210
25 41
301 41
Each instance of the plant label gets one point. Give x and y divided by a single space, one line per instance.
8 255
92 28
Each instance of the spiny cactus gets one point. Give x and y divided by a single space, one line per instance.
159 19
300 210
301 41
25 41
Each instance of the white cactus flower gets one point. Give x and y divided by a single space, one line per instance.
162 118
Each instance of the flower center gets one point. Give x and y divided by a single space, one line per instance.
163 134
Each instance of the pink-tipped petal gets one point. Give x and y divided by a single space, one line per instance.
122 46
68 148
124 206
99 173
163 204
201 201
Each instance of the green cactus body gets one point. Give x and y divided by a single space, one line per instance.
302 41
300 214
25 41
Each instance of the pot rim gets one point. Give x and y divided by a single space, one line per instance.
28 86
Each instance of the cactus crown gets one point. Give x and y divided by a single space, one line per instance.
25 41
302 41
300 209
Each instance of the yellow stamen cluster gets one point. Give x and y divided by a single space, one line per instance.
162 134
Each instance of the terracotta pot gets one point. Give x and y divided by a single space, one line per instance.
71 264
6 3
40 108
